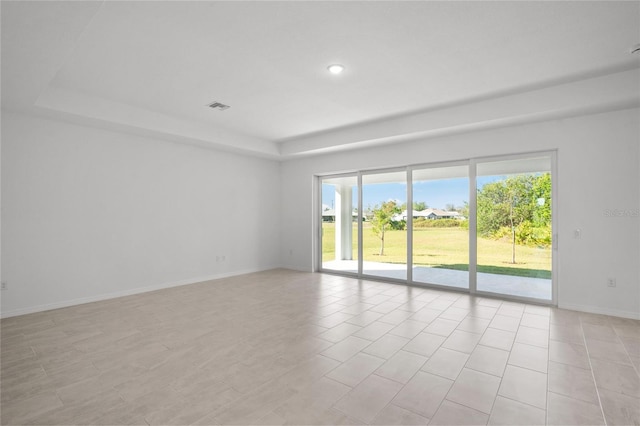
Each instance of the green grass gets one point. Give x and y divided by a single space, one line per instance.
445 248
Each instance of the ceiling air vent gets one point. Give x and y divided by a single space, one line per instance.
219 106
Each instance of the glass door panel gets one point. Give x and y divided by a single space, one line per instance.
340 223
384 234
441 226
514 235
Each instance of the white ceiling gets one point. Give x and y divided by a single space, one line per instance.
152 67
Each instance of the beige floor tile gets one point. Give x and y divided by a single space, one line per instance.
537 310
488 360
473 324
308 406
401 367
535 321
254 405
451 413
568 353
339 332
599 332
307 372
441 303
191 410
526 386
532 336
608 351
632 345
511 310
475 390
563 410
374 331
506 323
23 410
408 328
356 369
455 314
620 409
79 413
494 303
271 418
385 307
247 350
508 412
462 341
345 349
424 344
630 330
423 394
484 312
395 317
334 319
413 305
367 399
499 339
574 382
394 415
121 414
446 363
571 333
386 346
426 315
357 308
376 298
244 377
616 377
364 318
528 356
564 317
442 327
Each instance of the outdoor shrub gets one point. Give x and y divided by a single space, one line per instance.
438 223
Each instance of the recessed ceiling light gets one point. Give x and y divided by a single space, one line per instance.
335 68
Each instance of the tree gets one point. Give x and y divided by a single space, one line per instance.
382 218
508 203
450 207
419 206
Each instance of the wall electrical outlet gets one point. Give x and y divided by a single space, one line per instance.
611 282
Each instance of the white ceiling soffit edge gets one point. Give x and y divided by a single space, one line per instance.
610 92
83 109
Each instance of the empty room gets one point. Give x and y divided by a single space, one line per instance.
320 213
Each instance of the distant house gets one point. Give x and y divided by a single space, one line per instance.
329 215
432 214
441 214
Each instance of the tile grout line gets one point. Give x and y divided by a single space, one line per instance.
626 352
586 347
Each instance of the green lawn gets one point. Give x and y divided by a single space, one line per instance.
445 248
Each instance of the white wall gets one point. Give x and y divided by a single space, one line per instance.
88 213
598 170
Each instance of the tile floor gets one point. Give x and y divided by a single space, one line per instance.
284 347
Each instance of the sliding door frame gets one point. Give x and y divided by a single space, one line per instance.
361 272
552 154
472 164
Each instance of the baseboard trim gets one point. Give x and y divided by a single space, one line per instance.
138 290
599 310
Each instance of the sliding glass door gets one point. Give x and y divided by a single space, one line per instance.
441 225
482 225
514 227
384 232
339 221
